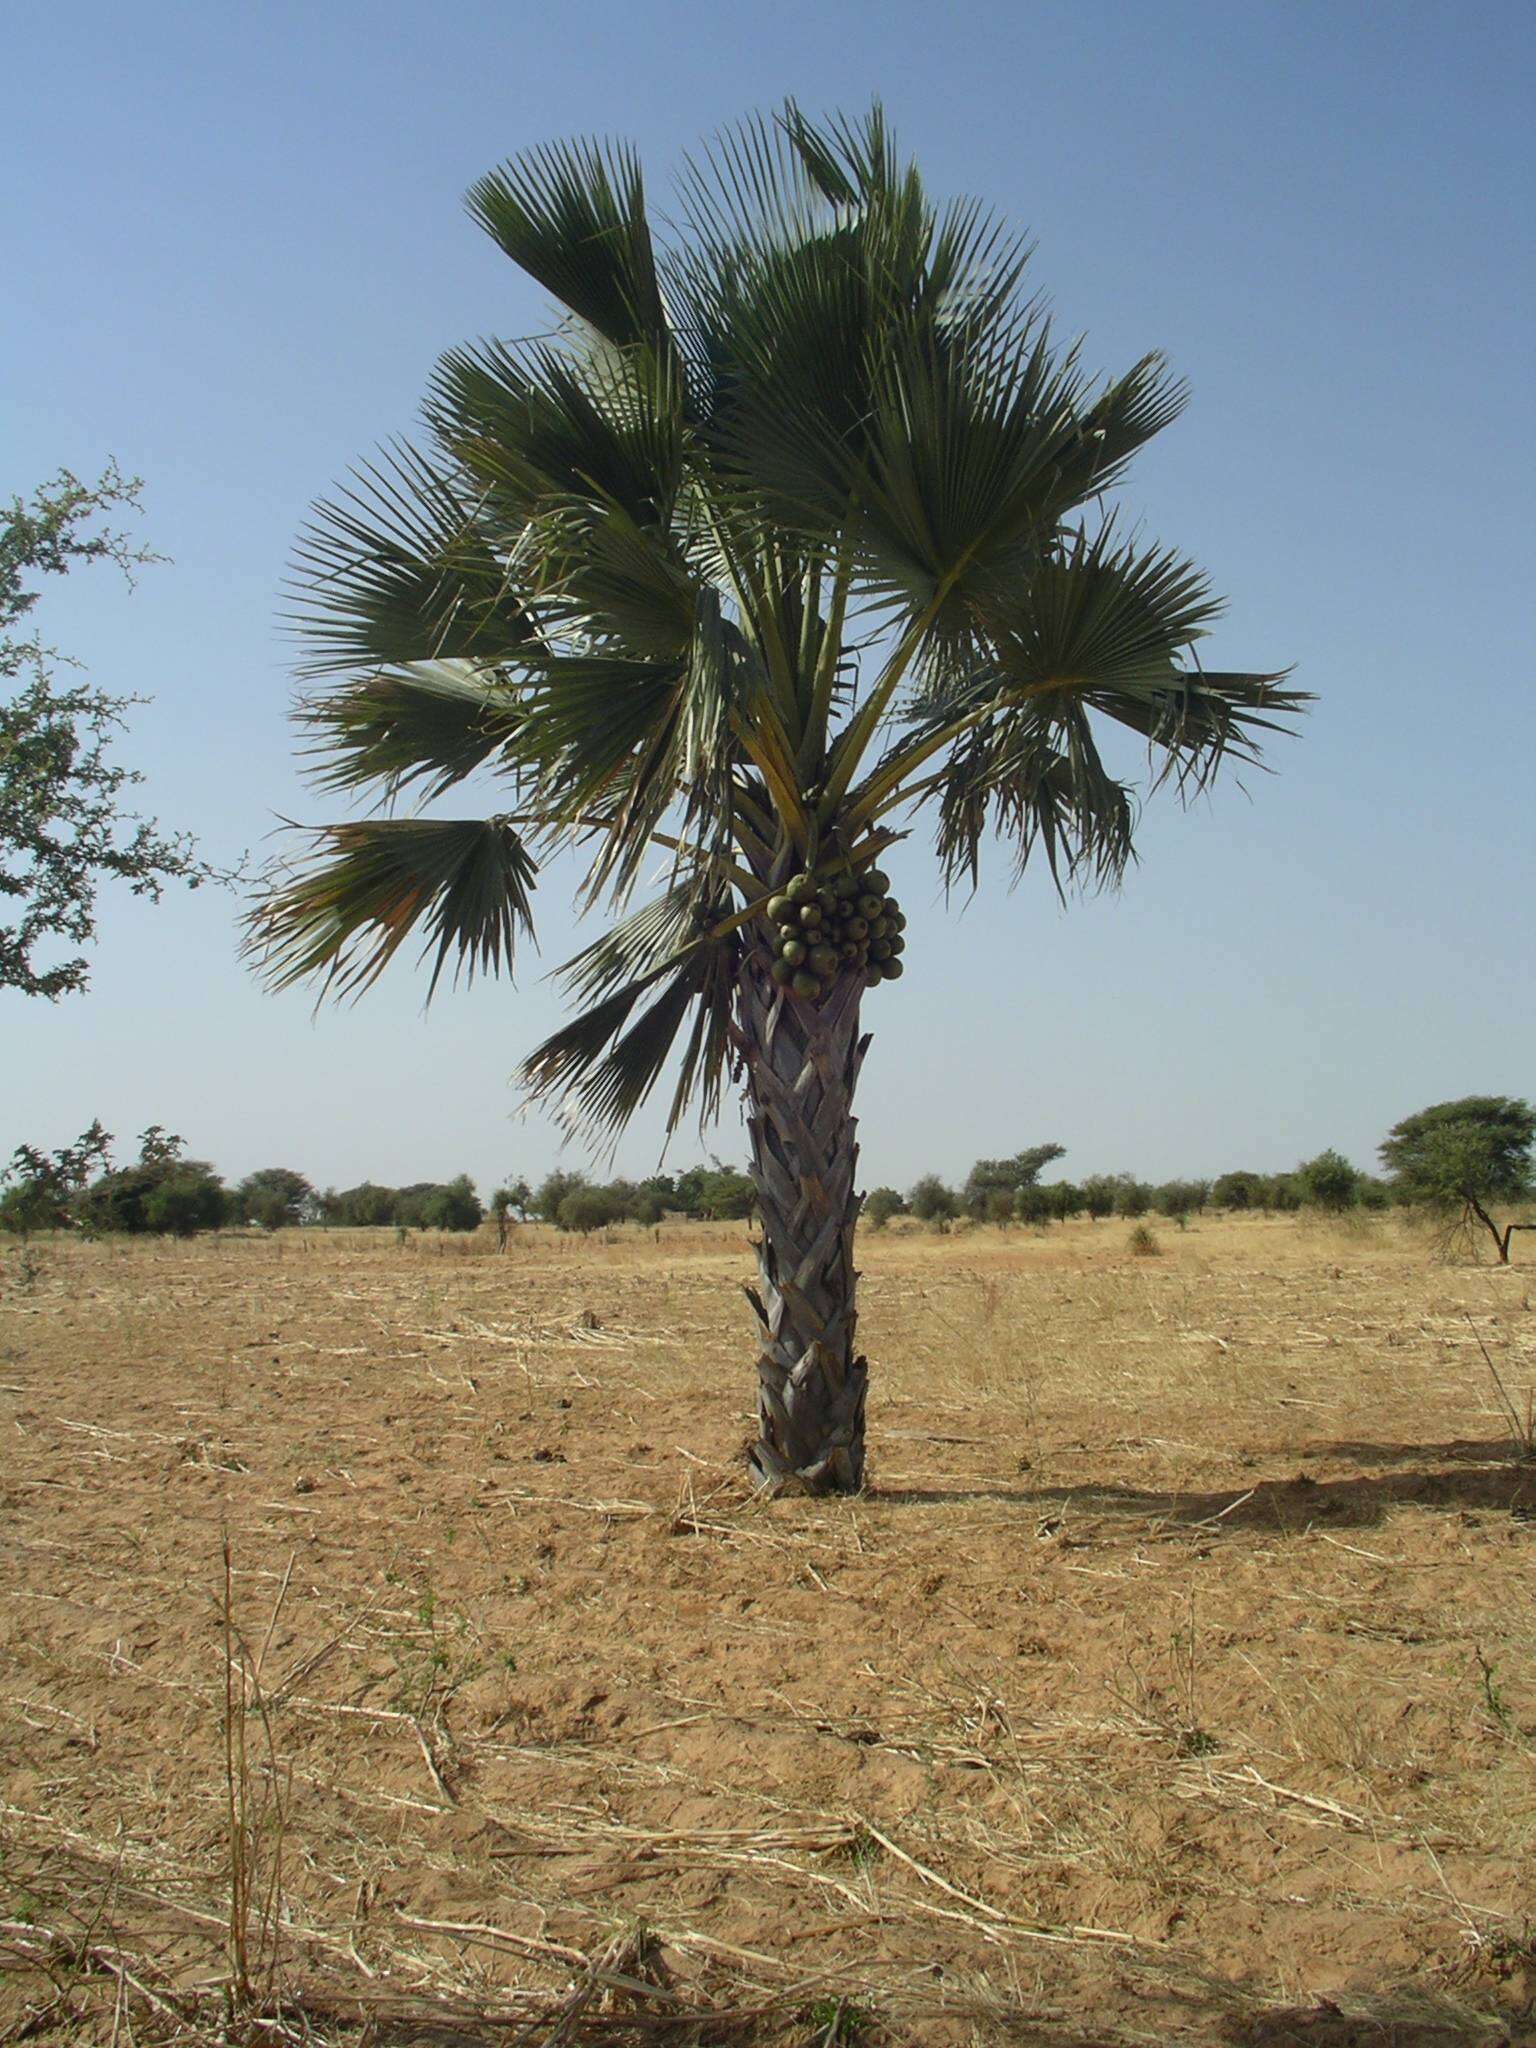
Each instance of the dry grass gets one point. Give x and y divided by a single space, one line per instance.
1174 1682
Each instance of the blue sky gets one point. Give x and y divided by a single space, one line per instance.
233 245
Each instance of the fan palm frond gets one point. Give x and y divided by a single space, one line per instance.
573 216
367 886
432 724
397 569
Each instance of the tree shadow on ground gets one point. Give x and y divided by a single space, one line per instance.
1486 1478
1409 2015
1415 2017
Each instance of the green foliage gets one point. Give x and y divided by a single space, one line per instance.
989 1177
275 1197
1143 1243
586 1209
1132 1197
931 1201
1065 1200
1476 1149
453 1205
366 1206
41 1188
726 1195
1466 1155
880 1205
1030 1203
189 1198
1328 1182
162 1195
1099 1192
796 521
64 825
1239 1190
1181 1199
553 1190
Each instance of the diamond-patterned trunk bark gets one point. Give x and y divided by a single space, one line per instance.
801 1062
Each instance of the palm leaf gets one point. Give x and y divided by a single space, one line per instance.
597 1070
536 425
434 724
573 216
396 569
1033 781
367 886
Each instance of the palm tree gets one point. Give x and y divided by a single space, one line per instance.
790 534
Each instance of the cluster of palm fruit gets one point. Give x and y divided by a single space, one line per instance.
837 922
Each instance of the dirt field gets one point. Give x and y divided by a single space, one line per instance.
1175 1681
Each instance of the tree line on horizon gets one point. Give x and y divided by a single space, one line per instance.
1460 1159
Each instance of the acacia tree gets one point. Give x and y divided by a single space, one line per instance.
38 1190
1463 1156
1008 1178
64 823
792 534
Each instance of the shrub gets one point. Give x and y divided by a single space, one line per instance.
1143 1242
275 1197
553 1190
586 1209
1099 1191
931 1201
881 1205
1181 1199
368 1205
453 1205
725 1194
1328 1182
1032 1204
1132 1197
177 1196
188 1200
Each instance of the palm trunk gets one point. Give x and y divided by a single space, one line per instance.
801 1061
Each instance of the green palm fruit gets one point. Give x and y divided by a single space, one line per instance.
880 928
876 882
780 909
806 984
856 927
845 884
871 905
896 919
794 951
827 899
782 971
881 950
873 976
897 945
810 915
824 960
799 887
891 970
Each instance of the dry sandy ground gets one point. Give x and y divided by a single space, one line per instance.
1175 1681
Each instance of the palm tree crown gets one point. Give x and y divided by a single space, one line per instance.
792 535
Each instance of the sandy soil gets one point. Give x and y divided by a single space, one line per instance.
1175 1681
